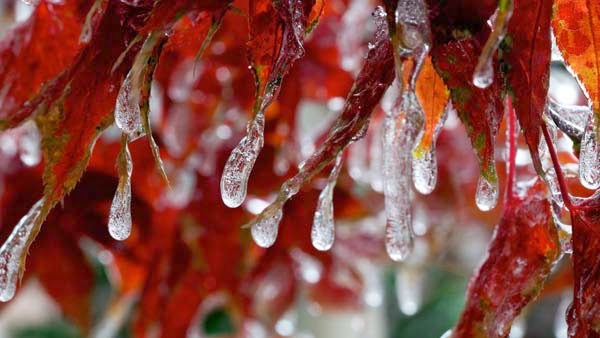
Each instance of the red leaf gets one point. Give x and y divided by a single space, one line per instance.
524 249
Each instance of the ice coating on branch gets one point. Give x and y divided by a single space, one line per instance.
234 181
402 124
424 167
323 232
486 196
13 251
569 119
119 219
265 227
589 157
483 76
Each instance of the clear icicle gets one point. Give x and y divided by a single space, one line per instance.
483 76
265 227
486 197
119 219
322 233
13 251
589 157
234 181
425 167
402 125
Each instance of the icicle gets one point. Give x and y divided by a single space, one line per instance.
589 157
14 250
569 119
127 110
401 128
322 233
410 289
425 165
486 197
483 76
234 181
119 219
265 227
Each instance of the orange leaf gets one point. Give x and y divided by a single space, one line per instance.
576 24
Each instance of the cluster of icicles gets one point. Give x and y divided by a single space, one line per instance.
403 127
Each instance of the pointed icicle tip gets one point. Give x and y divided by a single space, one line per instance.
119 219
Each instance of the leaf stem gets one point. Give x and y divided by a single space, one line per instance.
512 148
564 191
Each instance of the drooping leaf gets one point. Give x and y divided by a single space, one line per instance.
575 26
526 52
520 257
480 110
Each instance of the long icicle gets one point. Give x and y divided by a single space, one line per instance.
403 124
483 76
323 229
119 219
369 86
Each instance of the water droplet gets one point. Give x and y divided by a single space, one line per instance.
483 76
14 249
486 197
234 181
119 219
589 157
323 232
265 227
425 171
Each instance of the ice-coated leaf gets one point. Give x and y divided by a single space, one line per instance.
368 89
526 52
520 257
480 110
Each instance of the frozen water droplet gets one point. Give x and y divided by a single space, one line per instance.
266 226
425 171
589 157
483 76
486 197
14 249
119 219
234 181
127 110
323 232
